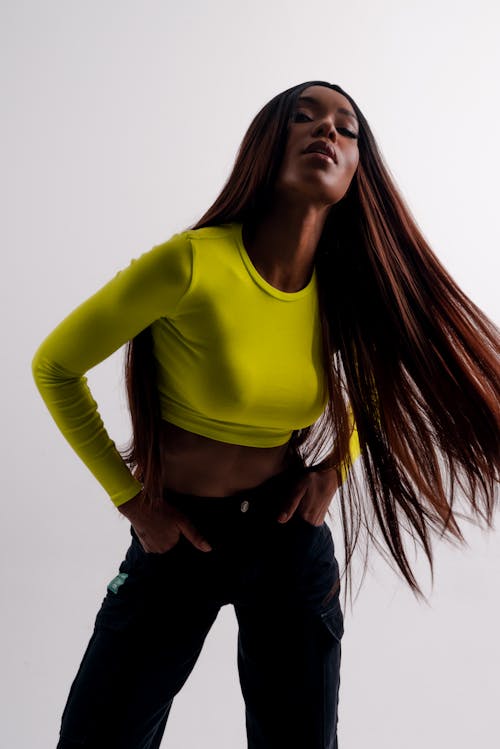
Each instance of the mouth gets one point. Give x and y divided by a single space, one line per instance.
320 155
323 148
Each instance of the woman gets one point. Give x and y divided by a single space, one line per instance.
304 302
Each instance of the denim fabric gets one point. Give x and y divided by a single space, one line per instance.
156 615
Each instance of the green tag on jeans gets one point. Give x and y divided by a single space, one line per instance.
117 581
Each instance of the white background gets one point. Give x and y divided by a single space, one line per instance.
120 123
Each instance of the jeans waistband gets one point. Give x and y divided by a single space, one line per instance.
254 500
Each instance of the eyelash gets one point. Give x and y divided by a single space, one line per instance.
340 129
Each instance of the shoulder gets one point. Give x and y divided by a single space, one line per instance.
175 257
182 240
220 231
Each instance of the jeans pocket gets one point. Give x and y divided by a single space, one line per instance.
309 536
305 522
332 626
123 606
159 556
333 621
140 551
131 594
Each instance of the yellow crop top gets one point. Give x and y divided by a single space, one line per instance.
238 360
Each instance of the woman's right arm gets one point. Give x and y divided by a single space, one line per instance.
152 286
160 524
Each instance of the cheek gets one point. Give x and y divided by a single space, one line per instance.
353 162
350 171
351 168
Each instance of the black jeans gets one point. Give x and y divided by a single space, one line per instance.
152 624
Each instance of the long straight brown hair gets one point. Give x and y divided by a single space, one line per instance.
415 358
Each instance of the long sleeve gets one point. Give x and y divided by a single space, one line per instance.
149 288
354 449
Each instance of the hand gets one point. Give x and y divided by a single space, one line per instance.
159 528
313 493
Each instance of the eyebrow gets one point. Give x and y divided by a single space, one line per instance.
312 100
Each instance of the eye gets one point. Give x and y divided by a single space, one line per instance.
349 132
345 130
301 114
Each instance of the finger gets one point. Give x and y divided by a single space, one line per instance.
160 548
192 534
155 547
142 541
288 510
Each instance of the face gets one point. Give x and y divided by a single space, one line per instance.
325 115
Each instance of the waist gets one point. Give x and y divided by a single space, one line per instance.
196 465
239 521
258 500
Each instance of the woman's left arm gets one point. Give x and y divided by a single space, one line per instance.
314 489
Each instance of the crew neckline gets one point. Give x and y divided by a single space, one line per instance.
288 296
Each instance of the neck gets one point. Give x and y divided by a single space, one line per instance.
282 245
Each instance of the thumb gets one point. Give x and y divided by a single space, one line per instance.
193 534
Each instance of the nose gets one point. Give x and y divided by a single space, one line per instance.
326 127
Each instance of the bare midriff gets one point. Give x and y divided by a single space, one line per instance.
194 464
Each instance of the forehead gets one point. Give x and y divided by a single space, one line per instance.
328 98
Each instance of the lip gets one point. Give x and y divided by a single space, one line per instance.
321 155
320 146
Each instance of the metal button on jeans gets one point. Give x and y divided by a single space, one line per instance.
244 505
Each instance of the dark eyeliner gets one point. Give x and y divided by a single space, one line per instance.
344 129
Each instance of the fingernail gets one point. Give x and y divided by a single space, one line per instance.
282 517
205 546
